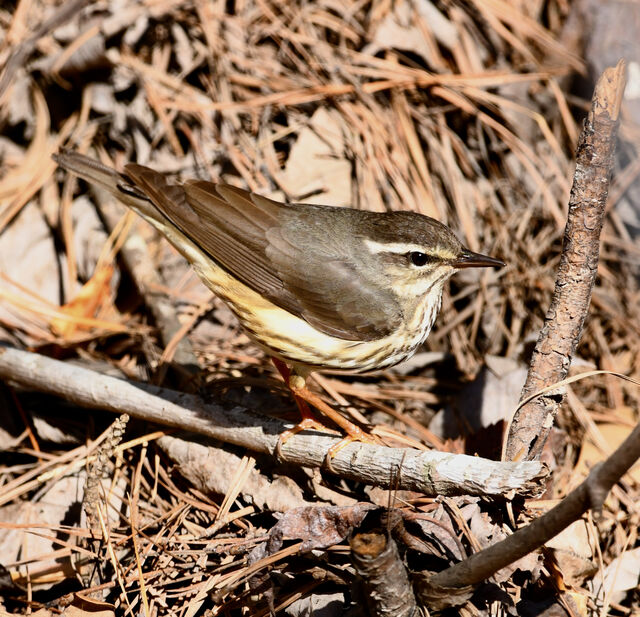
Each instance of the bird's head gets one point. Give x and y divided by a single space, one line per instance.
417 254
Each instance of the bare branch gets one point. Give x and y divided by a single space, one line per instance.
556 345
561 332
386 587
590 494
432 473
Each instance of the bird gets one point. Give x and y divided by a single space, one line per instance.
316 287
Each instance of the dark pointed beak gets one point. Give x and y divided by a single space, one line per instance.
469 259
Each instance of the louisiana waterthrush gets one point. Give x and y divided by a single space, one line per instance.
315 286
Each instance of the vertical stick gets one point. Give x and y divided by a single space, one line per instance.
561 332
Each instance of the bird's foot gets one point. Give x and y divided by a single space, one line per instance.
308 422
311 423
304 397
362 437
353 431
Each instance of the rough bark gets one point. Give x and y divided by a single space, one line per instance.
577 271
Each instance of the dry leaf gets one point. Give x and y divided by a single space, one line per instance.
316 162
94 295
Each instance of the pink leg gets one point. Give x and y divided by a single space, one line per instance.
303 396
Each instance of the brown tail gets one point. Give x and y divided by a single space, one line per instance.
94 171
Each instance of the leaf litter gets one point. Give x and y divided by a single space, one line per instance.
462 111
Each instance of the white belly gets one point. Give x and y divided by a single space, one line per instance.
291 338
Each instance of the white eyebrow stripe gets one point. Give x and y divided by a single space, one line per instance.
393 247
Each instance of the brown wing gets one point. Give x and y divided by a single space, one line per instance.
315 254
298 256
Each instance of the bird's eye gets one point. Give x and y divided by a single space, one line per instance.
418 259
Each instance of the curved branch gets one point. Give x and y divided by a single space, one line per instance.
590 494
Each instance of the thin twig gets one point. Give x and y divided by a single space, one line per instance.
552 357
577 271
590 494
